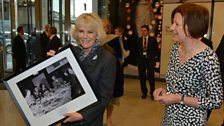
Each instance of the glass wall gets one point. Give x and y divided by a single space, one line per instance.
5 38
33 15
58 14
26 10
44 12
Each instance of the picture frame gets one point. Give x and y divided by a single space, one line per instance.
50 88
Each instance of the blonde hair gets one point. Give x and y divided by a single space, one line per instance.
107 24
92 22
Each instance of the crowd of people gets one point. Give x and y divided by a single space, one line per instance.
194 83
24 52
36 94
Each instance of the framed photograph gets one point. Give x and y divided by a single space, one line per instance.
47 90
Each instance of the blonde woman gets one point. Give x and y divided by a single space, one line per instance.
99 66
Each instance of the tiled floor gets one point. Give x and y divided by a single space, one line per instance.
133 111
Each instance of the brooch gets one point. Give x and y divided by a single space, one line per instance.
95 57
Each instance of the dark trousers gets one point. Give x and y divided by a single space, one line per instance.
20 65
146 72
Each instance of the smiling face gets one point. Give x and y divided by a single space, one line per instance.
88 31
178 29
86 38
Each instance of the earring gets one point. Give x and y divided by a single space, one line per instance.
97 41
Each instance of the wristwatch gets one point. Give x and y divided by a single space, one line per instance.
181 99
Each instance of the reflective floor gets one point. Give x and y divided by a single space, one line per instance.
133 111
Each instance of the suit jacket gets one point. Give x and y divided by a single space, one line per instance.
114 44
19 49
54 44
125 43
44 43
152 49
100 71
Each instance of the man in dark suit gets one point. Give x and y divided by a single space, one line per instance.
44 41
19 50
54 42
147 47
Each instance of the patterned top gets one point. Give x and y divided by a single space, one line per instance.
198 77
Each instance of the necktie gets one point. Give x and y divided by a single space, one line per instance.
144 44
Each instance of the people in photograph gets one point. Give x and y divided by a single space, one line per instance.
57 81
193 79
76 88
36 93
147 49
113 45
29 97
44 90
19 52
99 67
66 77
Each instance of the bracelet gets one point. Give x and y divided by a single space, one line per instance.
182 99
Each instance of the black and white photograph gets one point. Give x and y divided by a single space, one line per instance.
50 88
46 91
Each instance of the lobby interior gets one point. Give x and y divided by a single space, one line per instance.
132 111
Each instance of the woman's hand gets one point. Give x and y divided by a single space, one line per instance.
72 117
158 92
167 99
